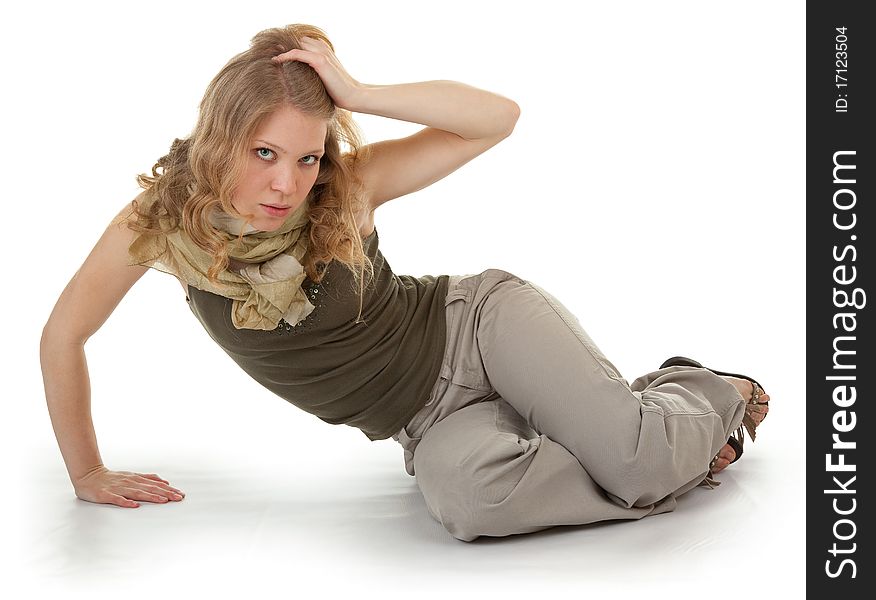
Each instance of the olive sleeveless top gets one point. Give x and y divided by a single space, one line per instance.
374 375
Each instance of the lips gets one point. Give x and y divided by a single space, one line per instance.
276 211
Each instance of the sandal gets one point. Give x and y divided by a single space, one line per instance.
738 437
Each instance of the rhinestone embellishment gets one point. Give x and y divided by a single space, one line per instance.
285 327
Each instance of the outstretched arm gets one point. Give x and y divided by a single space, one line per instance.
87 301
461 122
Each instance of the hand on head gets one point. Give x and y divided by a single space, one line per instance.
318 54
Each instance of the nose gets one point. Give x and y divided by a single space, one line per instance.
285 181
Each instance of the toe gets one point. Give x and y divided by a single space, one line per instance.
723 459
759 412
727 453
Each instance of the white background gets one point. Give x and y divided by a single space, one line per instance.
654 184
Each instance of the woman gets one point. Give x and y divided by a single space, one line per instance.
509 416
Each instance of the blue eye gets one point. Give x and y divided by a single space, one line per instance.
262 156
313 162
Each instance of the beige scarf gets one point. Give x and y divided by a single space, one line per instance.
265 282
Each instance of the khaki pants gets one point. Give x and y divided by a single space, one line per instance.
529 426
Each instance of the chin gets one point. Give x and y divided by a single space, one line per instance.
269 226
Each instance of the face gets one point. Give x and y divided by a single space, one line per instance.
281 167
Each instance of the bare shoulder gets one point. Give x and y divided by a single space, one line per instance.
124 216
112 247
120 225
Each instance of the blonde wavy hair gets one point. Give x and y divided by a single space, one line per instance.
201 172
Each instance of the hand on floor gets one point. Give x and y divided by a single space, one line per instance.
124 488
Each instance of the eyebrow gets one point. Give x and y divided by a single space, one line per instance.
266 143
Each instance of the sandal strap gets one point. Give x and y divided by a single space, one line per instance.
756 395
747 419
736 444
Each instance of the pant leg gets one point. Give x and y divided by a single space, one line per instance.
484 471
640 443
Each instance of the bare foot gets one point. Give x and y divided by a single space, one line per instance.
727 454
